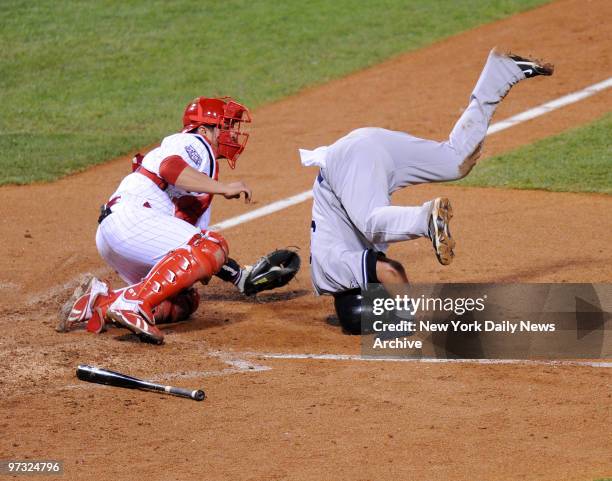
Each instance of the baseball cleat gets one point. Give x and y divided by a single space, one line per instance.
439 233
532 68
79 307
137 324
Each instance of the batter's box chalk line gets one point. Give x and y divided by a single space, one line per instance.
359 358
239 362
234 364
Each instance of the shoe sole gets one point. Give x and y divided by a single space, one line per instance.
443 242
64 324
143 335
539 68
546 69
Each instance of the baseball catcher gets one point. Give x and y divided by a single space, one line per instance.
353 220
153 231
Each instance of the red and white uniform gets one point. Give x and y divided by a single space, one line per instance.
150 215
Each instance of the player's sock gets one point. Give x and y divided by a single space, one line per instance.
230 272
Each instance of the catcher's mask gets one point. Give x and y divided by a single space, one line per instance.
227 115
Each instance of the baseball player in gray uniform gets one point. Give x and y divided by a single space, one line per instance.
353 220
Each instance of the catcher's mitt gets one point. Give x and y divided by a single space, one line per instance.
271 271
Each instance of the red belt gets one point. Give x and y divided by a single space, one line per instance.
157 180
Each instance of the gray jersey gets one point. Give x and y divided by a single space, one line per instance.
352 215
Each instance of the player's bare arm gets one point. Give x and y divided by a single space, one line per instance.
191 180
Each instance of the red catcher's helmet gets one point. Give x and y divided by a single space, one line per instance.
224 113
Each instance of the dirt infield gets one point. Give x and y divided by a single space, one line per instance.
313 419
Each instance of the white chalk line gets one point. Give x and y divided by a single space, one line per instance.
238 363
361 358
493 128
550 106
263 211
236 366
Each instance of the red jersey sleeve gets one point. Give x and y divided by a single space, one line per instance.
171 167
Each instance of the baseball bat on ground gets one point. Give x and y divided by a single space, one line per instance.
112 378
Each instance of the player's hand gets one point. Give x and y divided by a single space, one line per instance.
235 189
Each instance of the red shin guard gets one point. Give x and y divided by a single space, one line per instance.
199 260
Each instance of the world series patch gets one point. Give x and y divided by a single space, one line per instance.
193 155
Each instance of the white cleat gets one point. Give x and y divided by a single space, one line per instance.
79 307
138 325
126 313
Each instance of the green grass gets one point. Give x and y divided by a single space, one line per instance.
578 160
85 81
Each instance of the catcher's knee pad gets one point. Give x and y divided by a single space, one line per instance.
177 308
210 248
349 309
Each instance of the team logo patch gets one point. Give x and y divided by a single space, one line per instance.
193 155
